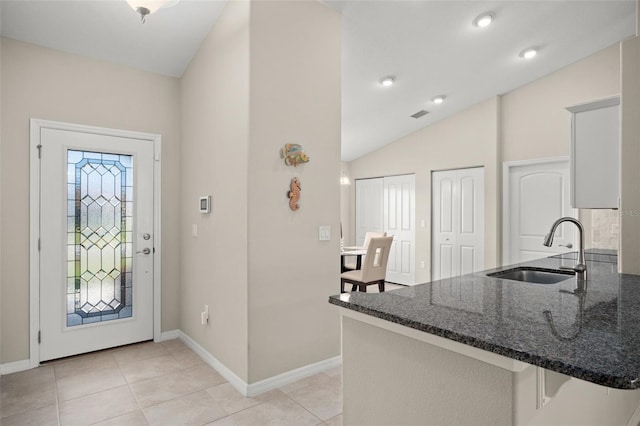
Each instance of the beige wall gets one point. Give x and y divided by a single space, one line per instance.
295 98
0 197
258 265
424 384
215 143
47 84
527 123
473 132
535 123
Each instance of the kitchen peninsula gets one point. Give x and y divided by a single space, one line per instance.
477 349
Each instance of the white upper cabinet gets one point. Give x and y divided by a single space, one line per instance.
595 154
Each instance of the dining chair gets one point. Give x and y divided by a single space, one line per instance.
374 267
350 264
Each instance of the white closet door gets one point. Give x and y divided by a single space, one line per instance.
369 207
470 228
399 221
388 205
443 192
457 222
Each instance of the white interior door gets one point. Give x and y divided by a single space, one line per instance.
96 241
369 207
399 221
536 195
457 217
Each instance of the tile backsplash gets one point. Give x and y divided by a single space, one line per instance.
602 228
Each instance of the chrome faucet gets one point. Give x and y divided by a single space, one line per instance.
581 267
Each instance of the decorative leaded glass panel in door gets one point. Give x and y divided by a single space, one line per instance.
100 241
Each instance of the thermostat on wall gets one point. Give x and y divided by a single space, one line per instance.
205 204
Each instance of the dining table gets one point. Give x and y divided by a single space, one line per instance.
356 251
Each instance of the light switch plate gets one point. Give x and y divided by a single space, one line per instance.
324 233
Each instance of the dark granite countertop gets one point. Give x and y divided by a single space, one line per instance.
592 335
595 255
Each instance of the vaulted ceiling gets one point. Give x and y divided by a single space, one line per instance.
430 47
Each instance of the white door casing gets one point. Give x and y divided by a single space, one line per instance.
49 265
369 207
535 194
399 221
457 221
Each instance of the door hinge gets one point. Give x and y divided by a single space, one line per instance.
39 337
38 244
39 151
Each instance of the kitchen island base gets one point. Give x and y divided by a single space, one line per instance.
394 374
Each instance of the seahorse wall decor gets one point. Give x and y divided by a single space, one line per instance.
293 155
294 194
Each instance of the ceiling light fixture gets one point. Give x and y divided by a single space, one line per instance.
147 7
529 53
438 99
484 20
388 81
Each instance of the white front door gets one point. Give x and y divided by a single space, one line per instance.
457 217
537 193
399 222
96 241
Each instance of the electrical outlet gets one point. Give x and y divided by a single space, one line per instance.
204 316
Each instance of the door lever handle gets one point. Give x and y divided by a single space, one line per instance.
568 245
145 250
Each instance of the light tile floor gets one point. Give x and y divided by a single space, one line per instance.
158 384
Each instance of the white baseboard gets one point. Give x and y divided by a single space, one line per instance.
168 335
241 386
235 380
14 367
265 385
275 382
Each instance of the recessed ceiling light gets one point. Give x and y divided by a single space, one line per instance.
438 99
388 81
484 20
529 52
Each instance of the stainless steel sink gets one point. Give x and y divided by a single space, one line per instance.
533 275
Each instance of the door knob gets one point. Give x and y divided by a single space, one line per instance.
146 236
145 250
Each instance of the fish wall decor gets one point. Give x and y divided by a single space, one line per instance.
294 155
